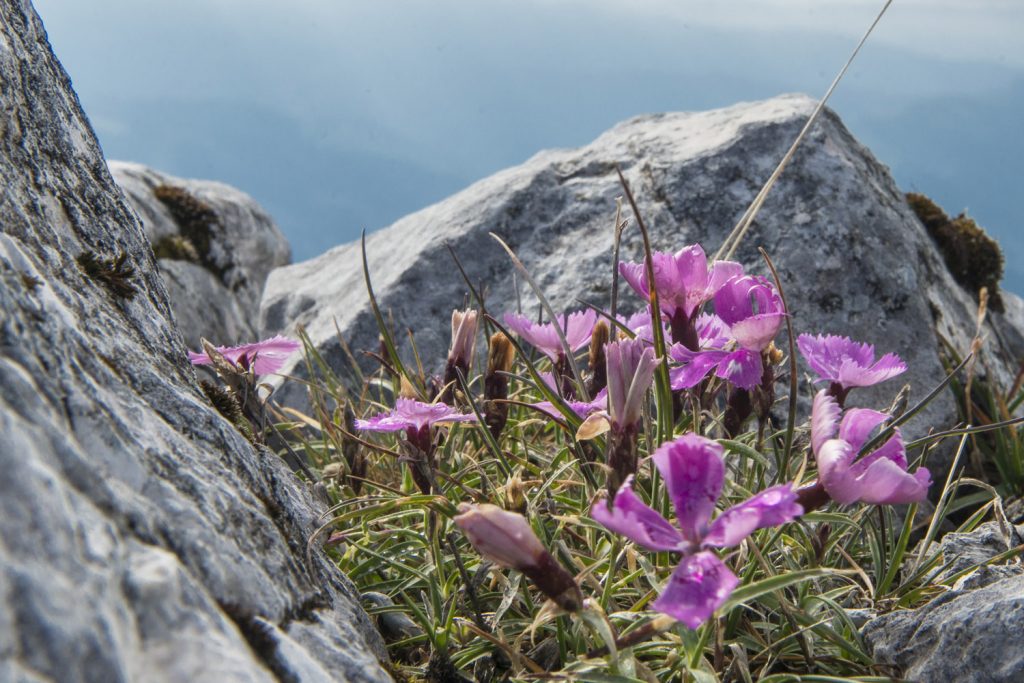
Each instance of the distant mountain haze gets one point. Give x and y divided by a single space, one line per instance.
340 116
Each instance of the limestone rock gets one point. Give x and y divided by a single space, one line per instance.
215 246
141 537
965 634
852 256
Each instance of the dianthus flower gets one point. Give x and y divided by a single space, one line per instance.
544 337
262 357
694 472
880 476
846 363
416 419
412 416
630 366
581 408
752 311
684 283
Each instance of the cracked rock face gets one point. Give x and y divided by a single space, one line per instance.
215 246
141 537
853 258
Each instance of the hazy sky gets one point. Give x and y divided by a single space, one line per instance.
339 115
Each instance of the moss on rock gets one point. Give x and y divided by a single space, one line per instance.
197 220
972 257
175 248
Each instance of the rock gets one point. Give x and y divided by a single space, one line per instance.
215 246
965 634
852 256
141 537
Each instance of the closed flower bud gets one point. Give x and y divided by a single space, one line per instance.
500 354
460 355
599 376
502 537
506 538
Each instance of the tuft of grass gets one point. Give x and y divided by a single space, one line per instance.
116 274
228 406
996 455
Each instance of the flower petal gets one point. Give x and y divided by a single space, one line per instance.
888 366
264 357
834 458
636 521
882 482
742 368
771 507
695 370
824 416
700 585
693 470
576 327
858 424
757 331
636 275
720 273
412 414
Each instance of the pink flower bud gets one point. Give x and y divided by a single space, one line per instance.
502 537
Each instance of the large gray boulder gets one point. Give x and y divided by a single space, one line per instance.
142 538
969 633
852 256
215 246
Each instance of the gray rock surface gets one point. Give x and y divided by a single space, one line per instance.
968 634
852 256
215 293
141 537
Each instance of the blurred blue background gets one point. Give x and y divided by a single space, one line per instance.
338 115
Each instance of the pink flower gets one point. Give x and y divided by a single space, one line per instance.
576 327
581 408
464 326
416 419
640 324
682 279
846 362
409 414
752 309
751 312
740 367
880 476
262 357
694 472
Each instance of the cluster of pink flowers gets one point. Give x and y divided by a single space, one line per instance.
733 341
